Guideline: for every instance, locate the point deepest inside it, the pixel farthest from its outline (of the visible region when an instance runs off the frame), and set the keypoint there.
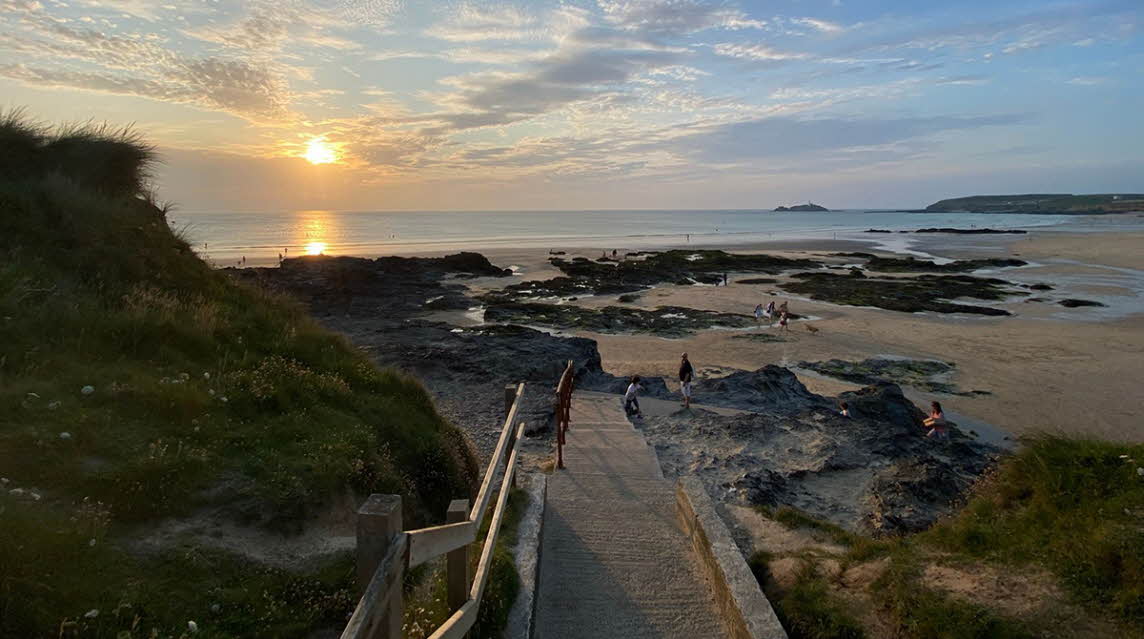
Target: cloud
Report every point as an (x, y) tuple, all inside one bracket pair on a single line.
[(1087, 81), (675, 17), (782, 137), (471, 23), (133, 66), (819, 25), (964, 80), (757, 52)]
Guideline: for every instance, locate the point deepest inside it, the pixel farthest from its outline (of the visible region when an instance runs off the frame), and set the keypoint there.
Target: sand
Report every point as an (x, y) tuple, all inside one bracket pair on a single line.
[(1078, 372)]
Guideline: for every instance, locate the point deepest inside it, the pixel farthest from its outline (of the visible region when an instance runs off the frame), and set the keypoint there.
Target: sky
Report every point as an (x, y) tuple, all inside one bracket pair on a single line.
[(595, 104)]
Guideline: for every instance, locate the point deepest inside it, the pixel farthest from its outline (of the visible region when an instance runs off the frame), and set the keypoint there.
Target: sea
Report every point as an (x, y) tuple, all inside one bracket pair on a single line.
[(225, 238)]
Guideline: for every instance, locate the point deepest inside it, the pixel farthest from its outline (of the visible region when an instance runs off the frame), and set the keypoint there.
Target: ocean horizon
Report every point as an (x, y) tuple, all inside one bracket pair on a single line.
[(225, 238)]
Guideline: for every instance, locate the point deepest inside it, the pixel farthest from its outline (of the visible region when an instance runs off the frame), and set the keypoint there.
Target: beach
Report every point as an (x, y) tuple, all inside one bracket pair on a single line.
[(1046, 368)]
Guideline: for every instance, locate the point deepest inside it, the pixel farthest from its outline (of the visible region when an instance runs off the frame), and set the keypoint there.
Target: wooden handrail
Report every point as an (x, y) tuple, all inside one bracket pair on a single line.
[(378, 613), (477, 514), (563, 410)]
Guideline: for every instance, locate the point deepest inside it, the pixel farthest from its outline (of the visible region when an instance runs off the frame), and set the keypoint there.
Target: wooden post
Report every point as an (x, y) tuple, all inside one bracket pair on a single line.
[(378, 523), (509, 398), (457, 561)]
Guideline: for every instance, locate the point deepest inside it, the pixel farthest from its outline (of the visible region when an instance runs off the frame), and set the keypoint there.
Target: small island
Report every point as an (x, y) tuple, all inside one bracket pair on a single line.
[(809, 206)]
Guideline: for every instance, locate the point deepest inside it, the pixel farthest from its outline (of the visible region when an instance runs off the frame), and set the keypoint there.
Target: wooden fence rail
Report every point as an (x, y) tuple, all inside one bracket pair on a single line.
[(386, 551)]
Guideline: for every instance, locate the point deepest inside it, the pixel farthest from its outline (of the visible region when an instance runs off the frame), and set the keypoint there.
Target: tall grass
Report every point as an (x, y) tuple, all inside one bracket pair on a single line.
[(206, 396)]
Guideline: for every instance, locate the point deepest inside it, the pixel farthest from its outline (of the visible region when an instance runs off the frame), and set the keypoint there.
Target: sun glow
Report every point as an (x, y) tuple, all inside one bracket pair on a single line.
[(315, 248), (318, 151)]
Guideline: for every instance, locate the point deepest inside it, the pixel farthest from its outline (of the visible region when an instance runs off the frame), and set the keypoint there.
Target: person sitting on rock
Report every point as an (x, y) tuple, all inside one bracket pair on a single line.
[(631, 398), (936, 422), (686, 374), (845, 409)]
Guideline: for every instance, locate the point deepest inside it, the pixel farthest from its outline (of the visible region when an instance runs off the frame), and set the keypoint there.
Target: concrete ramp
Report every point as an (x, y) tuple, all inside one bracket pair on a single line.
[(614, 559)]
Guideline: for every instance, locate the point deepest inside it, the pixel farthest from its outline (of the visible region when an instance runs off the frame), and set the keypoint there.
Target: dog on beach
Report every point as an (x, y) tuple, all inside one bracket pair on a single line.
[(810, 329)]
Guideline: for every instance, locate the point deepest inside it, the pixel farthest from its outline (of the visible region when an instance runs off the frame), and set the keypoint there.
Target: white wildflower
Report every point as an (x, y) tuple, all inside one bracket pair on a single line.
[(192, 626), (1140, 470), (91, 614), (65, 435), (52, 405), (206, 376), (91, 543), (184, 377), (87, 390), (17, 492)]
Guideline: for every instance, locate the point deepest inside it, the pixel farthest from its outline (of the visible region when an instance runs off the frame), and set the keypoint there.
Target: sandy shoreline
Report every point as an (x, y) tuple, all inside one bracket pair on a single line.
[(1074, 371)]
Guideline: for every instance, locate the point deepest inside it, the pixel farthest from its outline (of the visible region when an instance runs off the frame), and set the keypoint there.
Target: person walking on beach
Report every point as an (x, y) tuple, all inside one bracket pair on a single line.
[(936, 422), (631, 398), (759, 314), (783, 310), (783, 319), (769, 311), (686, 374), (724, 279)]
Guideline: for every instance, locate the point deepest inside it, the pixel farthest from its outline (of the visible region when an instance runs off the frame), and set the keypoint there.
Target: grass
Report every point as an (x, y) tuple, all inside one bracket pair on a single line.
[(808, 610), (137, 384), (426, 608), (918, 611), (1075, 507), (1072, 507)]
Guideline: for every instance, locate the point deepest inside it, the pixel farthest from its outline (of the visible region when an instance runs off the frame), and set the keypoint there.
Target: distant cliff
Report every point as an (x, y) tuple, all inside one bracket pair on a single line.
[(809, 206), (1063, 203)]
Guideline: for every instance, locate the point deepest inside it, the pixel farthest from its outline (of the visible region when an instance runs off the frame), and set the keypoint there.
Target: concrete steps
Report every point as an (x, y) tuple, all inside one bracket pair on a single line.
[(614, 559)]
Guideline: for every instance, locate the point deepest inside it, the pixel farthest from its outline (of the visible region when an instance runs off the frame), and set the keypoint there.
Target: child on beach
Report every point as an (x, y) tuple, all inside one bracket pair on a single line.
[(631, 398), (686, 374), (845, 412), (936, 422), (783, 321)]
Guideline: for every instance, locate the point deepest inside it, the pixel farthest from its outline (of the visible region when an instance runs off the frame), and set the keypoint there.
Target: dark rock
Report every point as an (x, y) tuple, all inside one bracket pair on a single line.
[(628, 298), (756, 280), (583, 276), (771, 387), (666, 321), (878, 231), (914, 265), (760, 487), (1041, 287), (875, 470), (946, 229), (908, 295), (927, 375), (1072, 303)]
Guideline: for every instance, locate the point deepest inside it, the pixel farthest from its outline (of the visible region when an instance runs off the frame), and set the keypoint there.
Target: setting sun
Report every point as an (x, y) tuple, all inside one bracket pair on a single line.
[(318, 151), (315, 248)]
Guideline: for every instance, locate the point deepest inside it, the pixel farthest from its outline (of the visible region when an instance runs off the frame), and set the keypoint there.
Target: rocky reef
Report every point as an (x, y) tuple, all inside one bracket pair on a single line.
[(924, 374), (875, 471), (908, 295), (665, 321)]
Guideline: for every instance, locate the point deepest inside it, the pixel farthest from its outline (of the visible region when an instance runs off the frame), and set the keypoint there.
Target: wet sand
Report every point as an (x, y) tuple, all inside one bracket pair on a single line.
[(1073, 371)]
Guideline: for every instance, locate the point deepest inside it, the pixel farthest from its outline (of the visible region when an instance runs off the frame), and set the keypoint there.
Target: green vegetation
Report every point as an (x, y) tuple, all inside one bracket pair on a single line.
[(138, 384), (1073, 508), (808, 609), (1043, 203), (426, 608)]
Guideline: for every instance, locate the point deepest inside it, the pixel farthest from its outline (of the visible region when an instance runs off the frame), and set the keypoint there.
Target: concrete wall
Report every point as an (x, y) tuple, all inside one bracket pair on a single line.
[(745, 609), (526, 554)]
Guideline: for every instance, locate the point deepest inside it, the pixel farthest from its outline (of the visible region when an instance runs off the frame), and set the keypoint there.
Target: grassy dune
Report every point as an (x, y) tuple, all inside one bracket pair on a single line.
[(1068, 513), (138, 385)]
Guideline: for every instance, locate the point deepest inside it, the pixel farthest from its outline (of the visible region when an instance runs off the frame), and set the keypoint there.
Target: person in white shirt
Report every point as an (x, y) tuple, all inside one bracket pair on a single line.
[(631, 398)]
